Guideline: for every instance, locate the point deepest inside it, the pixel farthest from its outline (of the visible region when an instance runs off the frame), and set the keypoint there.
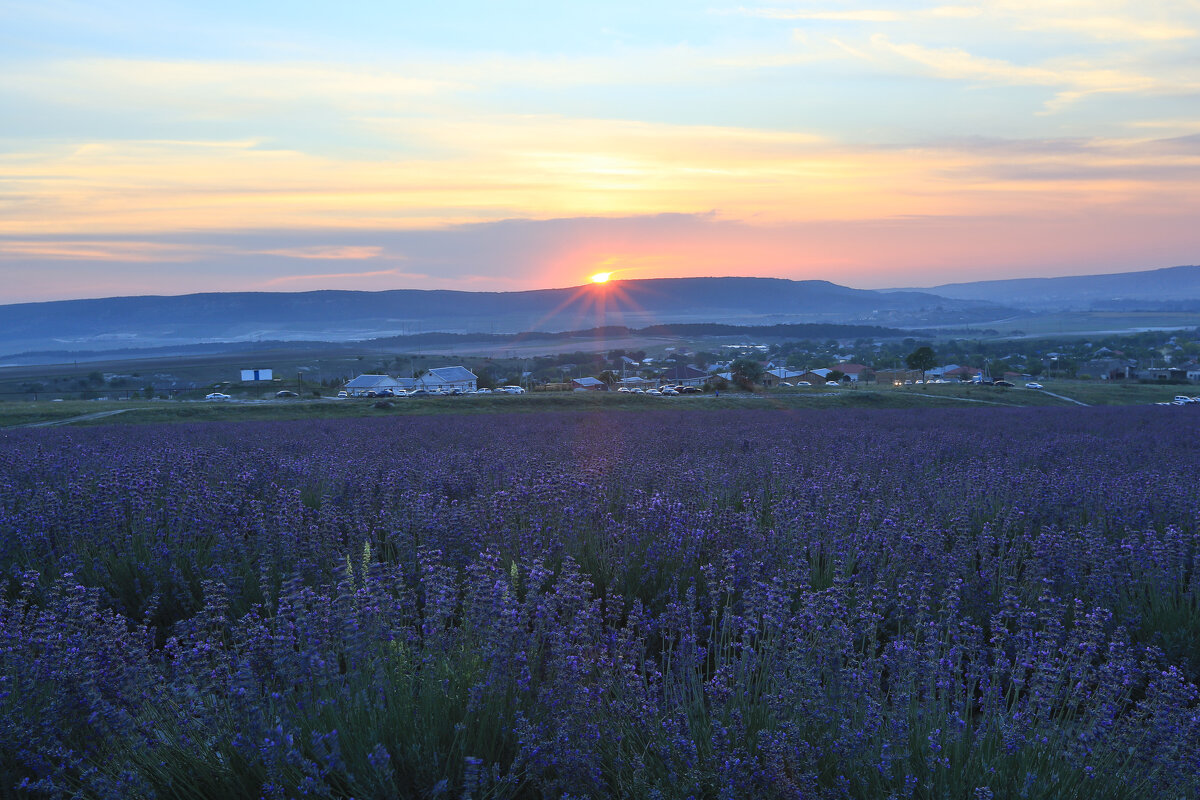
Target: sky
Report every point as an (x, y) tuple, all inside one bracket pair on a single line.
[(174, 147)]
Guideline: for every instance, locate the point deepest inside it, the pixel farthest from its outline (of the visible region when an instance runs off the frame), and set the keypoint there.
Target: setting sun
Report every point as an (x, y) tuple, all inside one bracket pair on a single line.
[(601, 277)]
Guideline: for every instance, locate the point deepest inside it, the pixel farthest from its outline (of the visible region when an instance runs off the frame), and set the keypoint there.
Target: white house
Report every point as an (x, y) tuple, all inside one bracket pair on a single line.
[(588, 385), (438, 379), (446, 379), (360, 386)]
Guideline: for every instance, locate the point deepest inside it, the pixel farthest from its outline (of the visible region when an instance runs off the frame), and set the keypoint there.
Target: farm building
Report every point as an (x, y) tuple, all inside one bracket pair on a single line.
[(773, 377), (438, 379), (686, 375), (588, 385), (363, 384), (446, 379)]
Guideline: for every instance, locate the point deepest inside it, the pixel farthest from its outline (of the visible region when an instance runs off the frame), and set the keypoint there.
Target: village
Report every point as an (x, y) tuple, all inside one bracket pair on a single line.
[(662, 365), (680, 370), (1159, 358)]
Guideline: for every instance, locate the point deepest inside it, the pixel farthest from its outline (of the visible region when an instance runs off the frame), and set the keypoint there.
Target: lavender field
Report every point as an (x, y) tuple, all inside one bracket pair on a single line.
[(976, 603)]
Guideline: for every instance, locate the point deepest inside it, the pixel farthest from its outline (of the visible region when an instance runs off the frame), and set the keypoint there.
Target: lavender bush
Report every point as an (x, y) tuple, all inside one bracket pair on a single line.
[(845, 604)]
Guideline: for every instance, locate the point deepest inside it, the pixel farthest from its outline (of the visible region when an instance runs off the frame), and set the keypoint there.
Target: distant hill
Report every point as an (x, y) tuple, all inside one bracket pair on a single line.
[(1148, 290), (331, 316)]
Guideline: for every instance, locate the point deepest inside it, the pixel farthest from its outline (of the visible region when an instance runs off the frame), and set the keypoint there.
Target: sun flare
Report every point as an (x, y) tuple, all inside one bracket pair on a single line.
[(601, 277)]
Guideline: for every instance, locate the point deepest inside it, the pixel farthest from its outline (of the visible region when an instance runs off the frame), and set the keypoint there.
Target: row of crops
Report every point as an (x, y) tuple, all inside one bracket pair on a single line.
[(839, 604)]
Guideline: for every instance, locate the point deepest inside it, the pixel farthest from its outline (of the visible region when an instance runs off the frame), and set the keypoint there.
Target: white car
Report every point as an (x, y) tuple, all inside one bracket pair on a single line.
[(1034, 386), (511, 390), (217, 396)]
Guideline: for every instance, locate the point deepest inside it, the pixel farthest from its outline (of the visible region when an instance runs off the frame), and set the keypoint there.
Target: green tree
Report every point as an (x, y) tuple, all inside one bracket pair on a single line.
[(746, 372), (608, 377), (923, 358), (486, 380)]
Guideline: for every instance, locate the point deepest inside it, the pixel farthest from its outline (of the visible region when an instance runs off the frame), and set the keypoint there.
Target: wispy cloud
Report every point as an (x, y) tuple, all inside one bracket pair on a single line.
[(328, 253), (100, 250), (1102, 20), (336, 277), (1074, 80)]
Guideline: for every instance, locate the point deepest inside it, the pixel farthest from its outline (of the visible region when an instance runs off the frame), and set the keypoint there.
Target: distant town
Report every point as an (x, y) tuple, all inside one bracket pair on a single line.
[(702, 364)]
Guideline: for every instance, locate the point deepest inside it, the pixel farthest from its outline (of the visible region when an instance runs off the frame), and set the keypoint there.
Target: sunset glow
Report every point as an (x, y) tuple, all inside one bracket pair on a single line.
[(464, 148), (601, 277)]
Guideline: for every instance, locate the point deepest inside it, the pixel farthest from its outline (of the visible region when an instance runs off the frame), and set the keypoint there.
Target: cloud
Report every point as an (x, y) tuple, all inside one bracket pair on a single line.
[(327, 253), (99, 250), (527, 254), (1100, 20), (546, 167), (336, 278), (1074, 79)]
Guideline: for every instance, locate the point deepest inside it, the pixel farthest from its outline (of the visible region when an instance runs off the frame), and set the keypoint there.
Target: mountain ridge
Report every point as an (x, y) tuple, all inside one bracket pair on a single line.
[(1080, 292), (347, 315)]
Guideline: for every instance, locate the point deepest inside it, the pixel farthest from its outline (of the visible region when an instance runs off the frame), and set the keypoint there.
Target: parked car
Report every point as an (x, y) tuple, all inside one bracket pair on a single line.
[(343, 393), (511, 390), (670, 392), (483, 391), (286, 393), (803, 383), (1001, 383), (690, 390), (654, 392), (217, 396), (1034, 386)]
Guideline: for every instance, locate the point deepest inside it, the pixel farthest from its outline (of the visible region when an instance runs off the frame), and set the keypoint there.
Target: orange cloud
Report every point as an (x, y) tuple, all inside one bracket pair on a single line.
[(332, 253), (548, 167)]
